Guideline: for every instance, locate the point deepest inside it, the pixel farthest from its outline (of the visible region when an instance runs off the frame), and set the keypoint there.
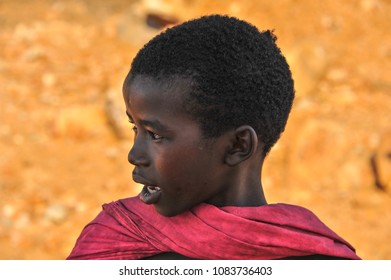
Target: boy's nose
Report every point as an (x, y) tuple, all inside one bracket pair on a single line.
[(136, 155)]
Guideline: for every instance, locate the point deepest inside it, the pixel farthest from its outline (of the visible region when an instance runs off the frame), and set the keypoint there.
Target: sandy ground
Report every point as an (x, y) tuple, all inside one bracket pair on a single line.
[(64, 138)]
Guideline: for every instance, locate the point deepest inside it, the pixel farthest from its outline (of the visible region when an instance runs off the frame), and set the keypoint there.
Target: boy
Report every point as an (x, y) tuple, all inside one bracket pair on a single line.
[(208, 99)]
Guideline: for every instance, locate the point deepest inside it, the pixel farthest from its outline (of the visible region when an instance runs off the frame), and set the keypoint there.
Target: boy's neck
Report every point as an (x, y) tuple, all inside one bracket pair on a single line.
[(244, 188)]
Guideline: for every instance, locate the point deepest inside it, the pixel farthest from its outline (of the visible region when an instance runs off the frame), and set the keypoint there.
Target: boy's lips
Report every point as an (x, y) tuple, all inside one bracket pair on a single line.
[(150, 194)]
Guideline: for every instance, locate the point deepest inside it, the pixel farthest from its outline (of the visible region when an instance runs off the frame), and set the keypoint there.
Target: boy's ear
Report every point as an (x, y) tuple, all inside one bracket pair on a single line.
[(244, 143)]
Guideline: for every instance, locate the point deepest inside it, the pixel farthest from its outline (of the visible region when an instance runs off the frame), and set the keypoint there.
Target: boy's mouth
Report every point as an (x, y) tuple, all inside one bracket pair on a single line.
[(150, 194)]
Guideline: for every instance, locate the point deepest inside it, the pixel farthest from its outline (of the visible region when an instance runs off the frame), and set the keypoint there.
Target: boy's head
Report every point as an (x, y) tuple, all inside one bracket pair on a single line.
[(208, 99), (235, 74)]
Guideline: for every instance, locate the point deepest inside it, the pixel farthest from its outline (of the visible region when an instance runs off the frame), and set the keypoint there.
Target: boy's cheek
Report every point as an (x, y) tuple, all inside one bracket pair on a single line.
[(175, 175), (177, 160)]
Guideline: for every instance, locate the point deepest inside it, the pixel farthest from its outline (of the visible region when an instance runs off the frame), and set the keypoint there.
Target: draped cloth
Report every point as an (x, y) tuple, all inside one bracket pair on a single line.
[(130, 229)]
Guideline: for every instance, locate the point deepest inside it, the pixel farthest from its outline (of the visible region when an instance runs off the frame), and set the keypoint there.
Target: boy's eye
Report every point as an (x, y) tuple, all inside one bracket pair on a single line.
[(155, 137)]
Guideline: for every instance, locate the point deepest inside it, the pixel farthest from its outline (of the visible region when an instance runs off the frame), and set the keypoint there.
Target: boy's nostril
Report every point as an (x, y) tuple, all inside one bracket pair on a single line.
[(136, 159)]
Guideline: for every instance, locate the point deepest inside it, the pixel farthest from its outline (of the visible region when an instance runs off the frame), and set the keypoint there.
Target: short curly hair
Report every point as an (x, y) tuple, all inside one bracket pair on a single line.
[(239, 75)]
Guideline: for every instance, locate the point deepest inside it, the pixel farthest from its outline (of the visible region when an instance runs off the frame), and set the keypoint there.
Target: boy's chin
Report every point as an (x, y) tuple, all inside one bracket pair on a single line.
[(167, 212)]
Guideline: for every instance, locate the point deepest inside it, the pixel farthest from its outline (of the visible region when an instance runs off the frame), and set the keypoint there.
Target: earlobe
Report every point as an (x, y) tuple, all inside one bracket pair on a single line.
[(244, 144)]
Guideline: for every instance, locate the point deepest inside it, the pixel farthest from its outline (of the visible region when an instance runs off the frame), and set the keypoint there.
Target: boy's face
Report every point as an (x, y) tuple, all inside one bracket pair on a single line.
[(177, 166)]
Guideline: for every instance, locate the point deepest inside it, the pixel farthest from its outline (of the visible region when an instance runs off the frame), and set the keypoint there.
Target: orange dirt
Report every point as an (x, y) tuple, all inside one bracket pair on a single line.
[(64, 138)]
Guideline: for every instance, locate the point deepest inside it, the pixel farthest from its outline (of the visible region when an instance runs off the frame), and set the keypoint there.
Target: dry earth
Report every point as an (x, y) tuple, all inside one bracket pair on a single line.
[(64, 138)]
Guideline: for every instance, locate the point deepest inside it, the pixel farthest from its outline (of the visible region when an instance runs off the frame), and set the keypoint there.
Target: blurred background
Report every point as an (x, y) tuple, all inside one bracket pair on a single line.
[(64, 137)]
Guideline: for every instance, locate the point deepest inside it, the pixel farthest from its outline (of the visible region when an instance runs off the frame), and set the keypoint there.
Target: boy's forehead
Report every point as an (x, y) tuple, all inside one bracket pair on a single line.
[(171, 87), (169, 93)]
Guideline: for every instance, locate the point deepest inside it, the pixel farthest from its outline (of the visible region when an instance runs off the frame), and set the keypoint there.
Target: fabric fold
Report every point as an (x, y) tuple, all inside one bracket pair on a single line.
[(130, 229)]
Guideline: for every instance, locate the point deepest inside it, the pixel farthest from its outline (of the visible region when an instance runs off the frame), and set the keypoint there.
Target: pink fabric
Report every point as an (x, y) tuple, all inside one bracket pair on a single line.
[(130, 229)]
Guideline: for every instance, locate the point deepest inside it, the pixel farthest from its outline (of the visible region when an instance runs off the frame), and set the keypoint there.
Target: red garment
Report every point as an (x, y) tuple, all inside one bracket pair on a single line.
[(130, 229)]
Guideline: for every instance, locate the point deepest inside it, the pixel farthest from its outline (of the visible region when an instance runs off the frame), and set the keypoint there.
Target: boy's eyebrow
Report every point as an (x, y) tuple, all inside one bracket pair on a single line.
[(155, 124)]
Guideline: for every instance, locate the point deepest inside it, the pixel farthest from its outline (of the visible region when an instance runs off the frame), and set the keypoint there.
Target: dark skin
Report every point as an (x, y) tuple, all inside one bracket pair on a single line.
[(170, 152), (184, 169)]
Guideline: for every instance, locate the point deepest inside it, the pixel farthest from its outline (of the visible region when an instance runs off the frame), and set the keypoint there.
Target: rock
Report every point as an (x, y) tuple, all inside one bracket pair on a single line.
[(18, 139), (34, 53), (78, 121), (308, 62), (112, 152), (115, 112), (5, 130), (323, 153), (381, 163), (22, 32), (22, 221), (49, 79), (132, 22), (160, 21), (336, 74), (369, 5), (56, 213), (8, 210), (3, 65)]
